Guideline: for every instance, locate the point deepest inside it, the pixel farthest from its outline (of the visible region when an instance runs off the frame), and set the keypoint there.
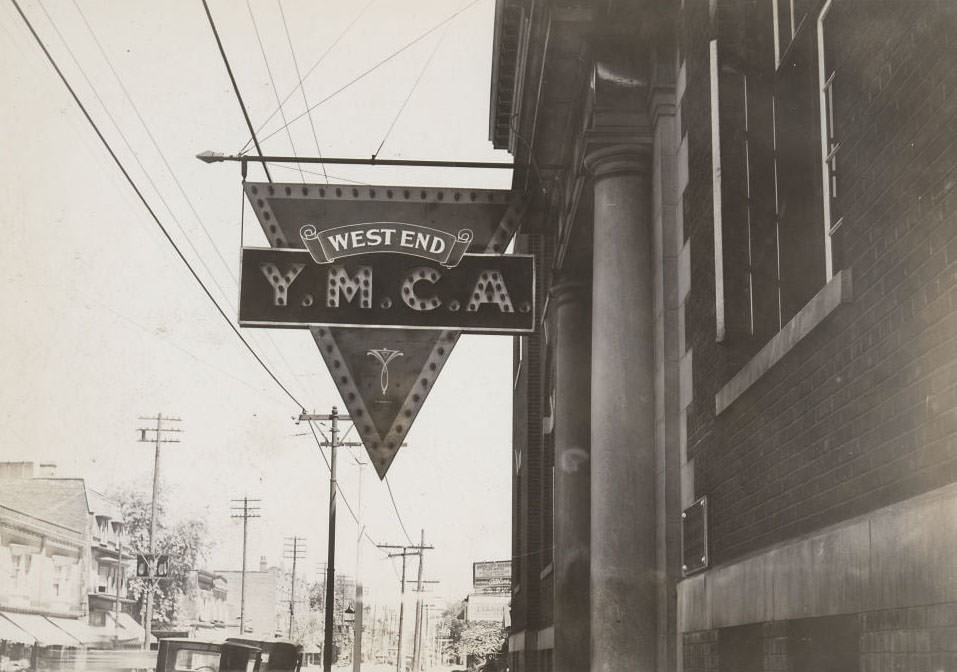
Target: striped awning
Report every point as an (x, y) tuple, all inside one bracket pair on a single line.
[(42, 631), (83, 632), (11, 633)]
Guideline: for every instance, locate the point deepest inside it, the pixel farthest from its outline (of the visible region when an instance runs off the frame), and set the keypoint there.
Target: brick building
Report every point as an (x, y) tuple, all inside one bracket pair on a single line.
[(735, 433)]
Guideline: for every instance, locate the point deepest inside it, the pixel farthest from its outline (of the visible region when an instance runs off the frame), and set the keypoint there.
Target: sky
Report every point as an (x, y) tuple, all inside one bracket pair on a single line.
[(103, 324)]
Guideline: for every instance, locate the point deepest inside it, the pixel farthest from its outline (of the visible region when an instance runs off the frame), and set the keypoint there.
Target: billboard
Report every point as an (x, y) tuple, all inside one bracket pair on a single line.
[(492, 577)]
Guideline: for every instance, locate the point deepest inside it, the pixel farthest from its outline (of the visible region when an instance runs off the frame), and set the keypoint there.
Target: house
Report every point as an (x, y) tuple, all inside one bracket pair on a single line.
[(60, 561)]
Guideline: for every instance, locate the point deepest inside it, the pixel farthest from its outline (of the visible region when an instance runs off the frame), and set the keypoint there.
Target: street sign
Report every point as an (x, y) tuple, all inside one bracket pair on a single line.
[(482, 293), (384, 374)]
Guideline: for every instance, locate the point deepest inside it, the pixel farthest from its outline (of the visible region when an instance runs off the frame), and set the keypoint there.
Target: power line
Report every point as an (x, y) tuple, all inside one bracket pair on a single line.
[(372, 69), (305, 100), (239, 97), (415, 85), (272, 82), (139, 194), (394, 506), (345, 501), (126, 141), (169, 168), (310, 71)]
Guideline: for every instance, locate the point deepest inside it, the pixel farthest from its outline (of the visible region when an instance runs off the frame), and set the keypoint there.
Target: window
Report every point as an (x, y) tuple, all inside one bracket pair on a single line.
[(21, 561), (61, 578), (775, 152)]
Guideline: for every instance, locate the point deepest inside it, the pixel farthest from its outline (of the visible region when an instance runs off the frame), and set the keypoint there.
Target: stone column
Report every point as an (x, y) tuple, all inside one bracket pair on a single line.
[(570, 302), (623, 557)]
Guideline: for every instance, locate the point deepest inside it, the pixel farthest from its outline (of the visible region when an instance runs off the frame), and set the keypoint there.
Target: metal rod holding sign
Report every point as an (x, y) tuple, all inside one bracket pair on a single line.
[(217, 157)]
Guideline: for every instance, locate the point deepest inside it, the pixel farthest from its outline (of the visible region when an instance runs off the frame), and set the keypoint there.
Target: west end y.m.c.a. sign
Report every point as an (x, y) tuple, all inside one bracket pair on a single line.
[(387, 274)]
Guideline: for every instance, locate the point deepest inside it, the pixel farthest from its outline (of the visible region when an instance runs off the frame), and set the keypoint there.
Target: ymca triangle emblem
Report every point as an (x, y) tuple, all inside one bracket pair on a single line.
[(383, 375)]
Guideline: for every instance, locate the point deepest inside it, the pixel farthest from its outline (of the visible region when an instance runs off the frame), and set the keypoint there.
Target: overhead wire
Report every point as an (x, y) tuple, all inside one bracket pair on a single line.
[(365, 531), (415, 85), (309, 72), (376, 66), (313, 172), (302, 88), (396, 508), (119, 164), (169, 169), (239, 97), (272, 82), (129, 147)]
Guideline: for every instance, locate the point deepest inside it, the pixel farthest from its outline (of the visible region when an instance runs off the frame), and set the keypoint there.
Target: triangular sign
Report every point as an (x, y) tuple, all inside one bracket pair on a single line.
[(384, 375)]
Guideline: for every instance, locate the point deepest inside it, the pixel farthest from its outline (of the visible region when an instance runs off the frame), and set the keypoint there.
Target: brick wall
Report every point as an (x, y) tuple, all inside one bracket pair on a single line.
[(861, 413), (700, 651), (922, 639)]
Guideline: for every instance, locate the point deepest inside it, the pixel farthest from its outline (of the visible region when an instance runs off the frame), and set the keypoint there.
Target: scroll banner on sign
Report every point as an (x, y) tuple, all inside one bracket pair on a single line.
[(419, 241), (385, 369)]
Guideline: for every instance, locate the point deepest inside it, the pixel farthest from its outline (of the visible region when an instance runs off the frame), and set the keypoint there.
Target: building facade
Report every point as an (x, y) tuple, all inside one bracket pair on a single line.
[(62, 575), (205, 611), (735, 440)]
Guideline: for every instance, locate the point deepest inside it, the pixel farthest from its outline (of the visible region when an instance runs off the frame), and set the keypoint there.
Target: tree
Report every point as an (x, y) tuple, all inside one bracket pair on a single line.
[(477, 642), (186, 542)]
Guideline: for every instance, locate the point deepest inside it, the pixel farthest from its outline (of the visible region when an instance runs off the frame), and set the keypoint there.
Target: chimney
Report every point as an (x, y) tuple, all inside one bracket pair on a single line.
[(46, 470), (262, 563)]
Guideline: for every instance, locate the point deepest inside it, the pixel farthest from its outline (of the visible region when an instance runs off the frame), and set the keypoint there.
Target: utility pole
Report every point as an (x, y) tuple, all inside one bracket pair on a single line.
[(404, 553), (295, 549), (417, 630), (419, 620), (244, 508), (119, 582), (332, 443), (357, 624), (158, 438)]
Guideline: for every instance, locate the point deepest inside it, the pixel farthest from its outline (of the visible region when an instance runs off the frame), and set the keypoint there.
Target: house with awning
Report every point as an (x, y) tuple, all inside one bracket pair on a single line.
[(61, 568)]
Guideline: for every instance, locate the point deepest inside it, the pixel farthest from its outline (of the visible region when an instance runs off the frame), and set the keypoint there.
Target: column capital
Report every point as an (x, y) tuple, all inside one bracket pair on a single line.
[(619, 159)]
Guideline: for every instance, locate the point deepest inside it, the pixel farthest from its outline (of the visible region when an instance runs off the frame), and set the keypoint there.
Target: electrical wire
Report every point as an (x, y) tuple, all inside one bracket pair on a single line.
[(272, 82), (365, 531), (415, 84), (149, 208), (305, 100), (375, 67), (169, 169), (309, 72), (239, 97), (397, 515), (149, 134), (129, 148), (313, 172)]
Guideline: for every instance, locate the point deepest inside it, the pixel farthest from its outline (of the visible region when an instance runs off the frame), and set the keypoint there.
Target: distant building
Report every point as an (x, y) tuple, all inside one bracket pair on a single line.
[(205, 610), (263, 601), (60, 564)]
